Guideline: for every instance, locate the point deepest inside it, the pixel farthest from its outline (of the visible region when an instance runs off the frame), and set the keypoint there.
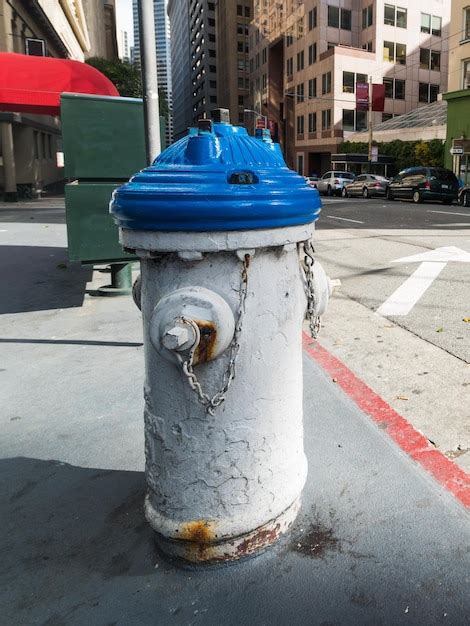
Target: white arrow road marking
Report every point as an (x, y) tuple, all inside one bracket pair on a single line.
[(433, 262), (344, 219), (407, 295)]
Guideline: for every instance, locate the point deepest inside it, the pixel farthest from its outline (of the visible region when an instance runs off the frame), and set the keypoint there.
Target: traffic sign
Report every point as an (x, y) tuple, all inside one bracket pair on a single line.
[(456, 150)]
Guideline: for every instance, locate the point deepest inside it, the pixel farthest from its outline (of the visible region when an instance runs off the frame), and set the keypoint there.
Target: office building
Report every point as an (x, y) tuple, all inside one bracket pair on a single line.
[(210, 55), (306, 58)]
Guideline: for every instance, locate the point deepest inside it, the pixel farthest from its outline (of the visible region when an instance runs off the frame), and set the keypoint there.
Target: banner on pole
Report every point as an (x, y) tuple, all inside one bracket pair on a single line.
[(378, 97), (362, 96)]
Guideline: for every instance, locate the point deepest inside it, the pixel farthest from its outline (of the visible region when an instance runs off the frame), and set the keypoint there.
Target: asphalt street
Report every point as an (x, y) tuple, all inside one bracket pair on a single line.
[(422, 371)]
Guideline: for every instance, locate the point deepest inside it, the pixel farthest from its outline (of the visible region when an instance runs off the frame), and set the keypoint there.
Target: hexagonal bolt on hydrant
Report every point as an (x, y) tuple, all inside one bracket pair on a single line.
[(223, 230)]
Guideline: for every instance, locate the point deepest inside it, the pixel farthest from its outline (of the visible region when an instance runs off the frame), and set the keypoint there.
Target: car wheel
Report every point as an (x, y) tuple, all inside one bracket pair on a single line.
[(465, 199), (344, 192), (417, 196), (365, 192), (389, 194), (329, 191)]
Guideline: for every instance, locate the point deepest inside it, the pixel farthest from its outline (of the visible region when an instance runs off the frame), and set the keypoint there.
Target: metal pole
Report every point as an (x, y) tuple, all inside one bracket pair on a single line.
[(370, 122), (148, 64)]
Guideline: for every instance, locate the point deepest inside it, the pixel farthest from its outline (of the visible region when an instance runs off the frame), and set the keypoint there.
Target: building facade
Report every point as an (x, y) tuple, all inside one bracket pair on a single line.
[(210, 56), (163, 49), (458, 99), (306, 58), (74, 29)]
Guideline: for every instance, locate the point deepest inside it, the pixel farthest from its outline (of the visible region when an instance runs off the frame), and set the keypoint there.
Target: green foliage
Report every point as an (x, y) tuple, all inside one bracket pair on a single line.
[(127, 80), (405, 153)]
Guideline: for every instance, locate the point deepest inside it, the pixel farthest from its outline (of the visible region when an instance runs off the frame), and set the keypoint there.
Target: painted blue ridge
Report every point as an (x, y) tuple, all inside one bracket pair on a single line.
[(219, 179)]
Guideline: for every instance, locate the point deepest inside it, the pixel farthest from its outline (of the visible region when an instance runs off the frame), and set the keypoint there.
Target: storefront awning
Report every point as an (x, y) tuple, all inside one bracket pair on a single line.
[(30, 84)]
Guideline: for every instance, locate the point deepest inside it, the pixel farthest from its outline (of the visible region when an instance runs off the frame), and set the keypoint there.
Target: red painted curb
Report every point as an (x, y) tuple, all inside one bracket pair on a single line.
[(410, 440)]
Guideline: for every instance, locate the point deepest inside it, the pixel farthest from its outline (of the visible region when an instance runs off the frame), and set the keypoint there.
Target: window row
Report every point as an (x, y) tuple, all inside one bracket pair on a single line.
[(395, 16), (350, 79), (339, 18), (431, 24), (243, 11)]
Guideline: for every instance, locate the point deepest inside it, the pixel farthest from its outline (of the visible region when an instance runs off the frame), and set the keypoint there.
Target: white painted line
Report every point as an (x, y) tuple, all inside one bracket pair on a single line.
[(407, 295), (444, 224), (450, 213), (344, 219)]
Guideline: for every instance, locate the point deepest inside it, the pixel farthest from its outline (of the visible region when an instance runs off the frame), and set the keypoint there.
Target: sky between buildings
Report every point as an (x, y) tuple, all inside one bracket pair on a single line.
[(124, 19)]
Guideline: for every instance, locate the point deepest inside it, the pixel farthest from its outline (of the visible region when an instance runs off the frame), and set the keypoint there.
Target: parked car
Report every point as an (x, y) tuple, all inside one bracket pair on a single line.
[(424, 183), (464, 196), (312, 181), (334, 181), (366, 185)]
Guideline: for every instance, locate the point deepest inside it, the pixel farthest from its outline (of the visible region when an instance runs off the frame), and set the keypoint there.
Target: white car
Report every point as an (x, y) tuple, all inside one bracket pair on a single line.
[(332, 183)]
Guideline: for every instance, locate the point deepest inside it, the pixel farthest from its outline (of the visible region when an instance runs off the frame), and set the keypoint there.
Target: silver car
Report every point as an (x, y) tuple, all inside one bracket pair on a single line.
[(332, 182), (366, 185)]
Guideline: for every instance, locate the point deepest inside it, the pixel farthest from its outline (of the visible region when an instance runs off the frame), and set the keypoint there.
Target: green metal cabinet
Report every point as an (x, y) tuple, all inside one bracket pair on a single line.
[(104, 144)]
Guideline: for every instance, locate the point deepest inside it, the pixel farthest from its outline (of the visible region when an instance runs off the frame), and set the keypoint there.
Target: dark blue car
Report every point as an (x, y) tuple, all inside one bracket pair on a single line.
[(424, 183)]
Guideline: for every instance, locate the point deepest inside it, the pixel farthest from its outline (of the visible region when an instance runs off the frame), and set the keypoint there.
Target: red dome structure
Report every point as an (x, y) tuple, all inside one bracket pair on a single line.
[(34, 84)]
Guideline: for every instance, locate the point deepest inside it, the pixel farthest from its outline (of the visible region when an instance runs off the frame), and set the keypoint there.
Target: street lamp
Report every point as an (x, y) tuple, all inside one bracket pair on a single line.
[(259, 115)]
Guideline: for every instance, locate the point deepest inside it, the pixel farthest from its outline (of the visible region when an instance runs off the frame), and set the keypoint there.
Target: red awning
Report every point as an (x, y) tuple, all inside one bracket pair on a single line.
[(30, 84)]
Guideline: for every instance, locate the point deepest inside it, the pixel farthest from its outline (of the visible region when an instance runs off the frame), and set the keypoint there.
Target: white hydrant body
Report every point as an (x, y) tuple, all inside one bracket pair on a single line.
[(225, 464)]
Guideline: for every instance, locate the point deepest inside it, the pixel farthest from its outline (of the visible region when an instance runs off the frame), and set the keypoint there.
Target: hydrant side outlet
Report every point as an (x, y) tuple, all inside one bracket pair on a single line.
[(225, 465)]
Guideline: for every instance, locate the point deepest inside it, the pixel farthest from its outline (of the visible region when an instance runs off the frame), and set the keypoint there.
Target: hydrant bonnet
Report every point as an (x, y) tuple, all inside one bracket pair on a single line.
[(217, 178)]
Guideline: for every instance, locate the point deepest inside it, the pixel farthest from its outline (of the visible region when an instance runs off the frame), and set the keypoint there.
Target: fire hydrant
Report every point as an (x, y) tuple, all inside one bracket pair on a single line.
[(223, 230)]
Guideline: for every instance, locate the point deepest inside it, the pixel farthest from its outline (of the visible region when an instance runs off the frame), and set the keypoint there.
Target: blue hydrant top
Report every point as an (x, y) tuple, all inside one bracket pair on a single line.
[(216, 178)]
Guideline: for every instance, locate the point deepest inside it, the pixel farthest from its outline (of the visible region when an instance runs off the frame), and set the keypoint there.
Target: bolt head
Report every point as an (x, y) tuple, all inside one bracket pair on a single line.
[(176, 337)]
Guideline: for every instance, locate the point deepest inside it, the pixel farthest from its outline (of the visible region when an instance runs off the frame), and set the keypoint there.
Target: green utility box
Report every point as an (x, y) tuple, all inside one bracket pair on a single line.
[(104, 145)]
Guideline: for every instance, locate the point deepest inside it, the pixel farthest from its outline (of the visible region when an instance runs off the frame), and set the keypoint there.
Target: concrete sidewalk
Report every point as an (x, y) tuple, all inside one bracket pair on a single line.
[(377, 541)]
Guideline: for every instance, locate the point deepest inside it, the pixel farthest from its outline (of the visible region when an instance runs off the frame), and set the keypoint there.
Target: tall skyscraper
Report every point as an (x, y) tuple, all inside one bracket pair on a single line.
[(306, 58), (210, 58), (162, 44)]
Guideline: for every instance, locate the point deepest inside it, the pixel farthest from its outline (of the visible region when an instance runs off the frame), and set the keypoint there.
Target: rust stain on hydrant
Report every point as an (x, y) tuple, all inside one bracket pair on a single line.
[(205, 349), (199, 534), (259, 540)]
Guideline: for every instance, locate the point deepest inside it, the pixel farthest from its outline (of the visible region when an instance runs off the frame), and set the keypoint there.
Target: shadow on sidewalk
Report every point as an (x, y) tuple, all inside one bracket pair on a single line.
[(40, 278)]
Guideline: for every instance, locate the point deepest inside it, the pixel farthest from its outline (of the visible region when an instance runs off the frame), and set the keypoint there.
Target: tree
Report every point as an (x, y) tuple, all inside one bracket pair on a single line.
[(126, 78)]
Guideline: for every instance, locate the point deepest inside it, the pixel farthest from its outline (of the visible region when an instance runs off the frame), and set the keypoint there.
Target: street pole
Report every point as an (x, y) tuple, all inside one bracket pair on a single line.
[(370, 122), (148, 64)]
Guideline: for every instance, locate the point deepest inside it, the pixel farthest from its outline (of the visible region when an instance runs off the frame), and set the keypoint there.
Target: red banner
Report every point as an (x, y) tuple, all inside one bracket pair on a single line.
[(362, 96), (378, 97)]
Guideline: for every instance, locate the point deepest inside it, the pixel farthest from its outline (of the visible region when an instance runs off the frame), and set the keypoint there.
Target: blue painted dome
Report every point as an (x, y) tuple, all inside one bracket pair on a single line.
[(216, 178)]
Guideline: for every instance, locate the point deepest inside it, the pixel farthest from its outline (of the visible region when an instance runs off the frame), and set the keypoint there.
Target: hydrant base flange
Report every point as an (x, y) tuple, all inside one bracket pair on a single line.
[(199, 543)]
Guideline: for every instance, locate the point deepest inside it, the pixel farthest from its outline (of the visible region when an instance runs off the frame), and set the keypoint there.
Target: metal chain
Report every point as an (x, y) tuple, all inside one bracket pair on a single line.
[(309, 260), (187, 365)]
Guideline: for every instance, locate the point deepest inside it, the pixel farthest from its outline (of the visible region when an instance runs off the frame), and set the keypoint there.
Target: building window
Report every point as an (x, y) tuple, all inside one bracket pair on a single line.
[(300, 28), (428, 93), (333, 17), (339, 18), (239, 10), (326, 83), (300, 61), (300, 164), (436, 26), (300, 92), (247, 12), (264, 56), (466, 23), (367, 16), (326, 119), (264, 81), (312, 122), (426, 23), (300, 124), (394, 88), (348, 82), (395, 52), (348, 119), (387, 116), (466, 74), (312, 88), (368, 46), (213, 83), (399, 93), (395, 16), (312, 18), (429, 59), (312, 53), (290, 67), (35, 47)]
